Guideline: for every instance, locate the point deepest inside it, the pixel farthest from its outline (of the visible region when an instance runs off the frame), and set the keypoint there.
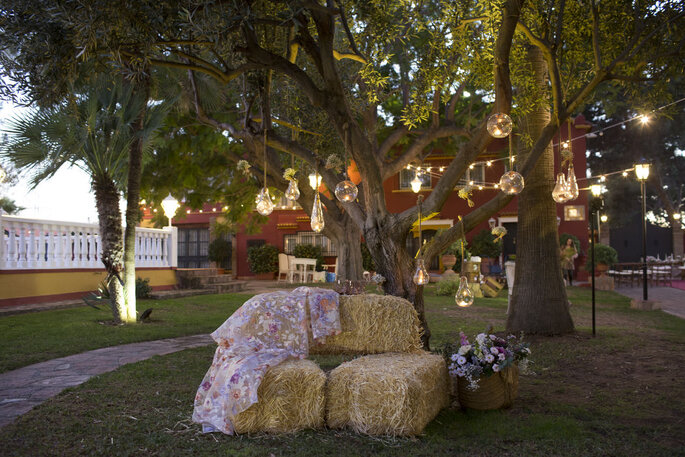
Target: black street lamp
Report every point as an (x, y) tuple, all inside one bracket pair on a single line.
[(642, 173), (595, 206)]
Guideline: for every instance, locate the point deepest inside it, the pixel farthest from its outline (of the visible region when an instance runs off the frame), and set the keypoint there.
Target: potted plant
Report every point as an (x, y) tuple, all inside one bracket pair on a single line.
[(486, 372), (483, 245), (263, 261), (605, 258), (219, 251)]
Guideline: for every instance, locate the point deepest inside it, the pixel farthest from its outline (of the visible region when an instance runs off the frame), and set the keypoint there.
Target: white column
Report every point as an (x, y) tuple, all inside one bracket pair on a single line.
[(31, 255), (3, 245), (172, 247)]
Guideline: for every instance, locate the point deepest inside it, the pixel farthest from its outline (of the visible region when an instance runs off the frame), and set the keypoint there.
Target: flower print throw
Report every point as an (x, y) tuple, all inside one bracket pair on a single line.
[(268, 329)]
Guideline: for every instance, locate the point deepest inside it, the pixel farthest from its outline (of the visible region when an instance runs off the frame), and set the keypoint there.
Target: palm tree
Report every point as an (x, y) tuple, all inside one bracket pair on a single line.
[(92, 129)]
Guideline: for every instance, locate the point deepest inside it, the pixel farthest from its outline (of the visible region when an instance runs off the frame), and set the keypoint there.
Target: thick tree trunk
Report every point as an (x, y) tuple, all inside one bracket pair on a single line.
[(111, 242), (135, 170), (538, 303), (397, 266), (347, 238)]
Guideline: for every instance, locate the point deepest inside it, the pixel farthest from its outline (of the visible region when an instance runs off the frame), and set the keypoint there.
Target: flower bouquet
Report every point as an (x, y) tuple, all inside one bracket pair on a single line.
[(487, 370)]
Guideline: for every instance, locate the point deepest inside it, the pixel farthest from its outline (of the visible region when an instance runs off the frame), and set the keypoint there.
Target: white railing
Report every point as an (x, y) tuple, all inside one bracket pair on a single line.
[(35, 244)]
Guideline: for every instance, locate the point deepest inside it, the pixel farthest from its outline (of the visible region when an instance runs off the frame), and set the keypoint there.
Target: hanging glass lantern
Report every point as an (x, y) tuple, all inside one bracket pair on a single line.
[(346, 191), (416, 183), (499, 125), (292, 192), (464, 296), (316, 222), (511, 183), (572, 184), (314, 180), (263, 202), (560, 189), (421, 277)]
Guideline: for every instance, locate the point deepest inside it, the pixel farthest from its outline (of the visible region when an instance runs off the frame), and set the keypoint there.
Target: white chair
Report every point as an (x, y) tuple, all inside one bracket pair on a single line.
[(284, 271), (293, 269)]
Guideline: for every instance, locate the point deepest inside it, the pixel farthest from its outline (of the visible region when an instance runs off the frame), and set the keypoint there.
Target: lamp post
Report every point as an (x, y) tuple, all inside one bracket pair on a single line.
[(170, 205), (642, 173), (595, 206)]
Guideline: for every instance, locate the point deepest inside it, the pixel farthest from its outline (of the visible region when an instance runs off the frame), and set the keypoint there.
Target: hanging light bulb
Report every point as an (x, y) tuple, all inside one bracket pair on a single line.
[(499, 125), (263, 202), (314, 180), (416, 183), (511, 183), (317, 223), (572, 184), (421, 276), (346, 191), (292, 192), (560, 190), (464, 296)]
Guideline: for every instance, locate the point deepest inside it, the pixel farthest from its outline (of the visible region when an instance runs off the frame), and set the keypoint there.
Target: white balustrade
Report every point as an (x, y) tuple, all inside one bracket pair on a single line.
[(34, 244)]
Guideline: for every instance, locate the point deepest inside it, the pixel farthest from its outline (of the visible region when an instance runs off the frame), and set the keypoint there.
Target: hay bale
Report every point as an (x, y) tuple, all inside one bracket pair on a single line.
[(387, 394), (373, 324), (291, 398)]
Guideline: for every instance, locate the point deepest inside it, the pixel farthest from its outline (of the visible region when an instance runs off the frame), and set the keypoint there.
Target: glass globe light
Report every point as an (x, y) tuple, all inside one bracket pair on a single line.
[(559, 193), (316, 222), (676, 216), (511, 183), (499, 125), (421, 276), (263, 202), (572, 190), (292, 192), (464, 296), (605, 218), (346, 191), (416, 184)]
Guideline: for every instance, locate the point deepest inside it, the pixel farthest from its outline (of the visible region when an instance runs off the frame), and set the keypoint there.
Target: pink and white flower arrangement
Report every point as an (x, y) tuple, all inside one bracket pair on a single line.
[(489, 354)]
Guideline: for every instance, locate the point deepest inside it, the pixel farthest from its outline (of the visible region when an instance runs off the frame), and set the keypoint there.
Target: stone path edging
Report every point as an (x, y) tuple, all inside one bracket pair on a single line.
[(24, 388)]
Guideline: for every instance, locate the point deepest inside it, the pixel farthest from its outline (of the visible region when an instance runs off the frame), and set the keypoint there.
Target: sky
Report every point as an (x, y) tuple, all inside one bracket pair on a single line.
[(64, 197)]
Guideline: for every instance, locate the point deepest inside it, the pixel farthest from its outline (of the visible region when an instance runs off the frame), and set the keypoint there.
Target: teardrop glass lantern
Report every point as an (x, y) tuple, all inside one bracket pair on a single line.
[(559, 193), (316, 222), (464, 296), (499, 125), (572, 190), (511, 183), (346, 191), (421, 276), (263, 202), (292, 192)]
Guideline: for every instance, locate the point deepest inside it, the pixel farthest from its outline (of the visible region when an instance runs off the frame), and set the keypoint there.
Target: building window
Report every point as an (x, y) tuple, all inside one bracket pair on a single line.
[(407, 175), (192, 247), (328, 248), (574, 213), (284, 203), (475, 174)]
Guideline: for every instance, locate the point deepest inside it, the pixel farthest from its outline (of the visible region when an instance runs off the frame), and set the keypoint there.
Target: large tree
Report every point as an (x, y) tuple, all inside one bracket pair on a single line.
[(390, 80)]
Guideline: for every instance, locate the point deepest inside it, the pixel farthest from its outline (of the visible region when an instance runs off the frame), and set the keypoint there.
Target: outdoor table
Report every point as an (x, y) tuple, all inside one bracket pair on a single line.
[(302, 267)]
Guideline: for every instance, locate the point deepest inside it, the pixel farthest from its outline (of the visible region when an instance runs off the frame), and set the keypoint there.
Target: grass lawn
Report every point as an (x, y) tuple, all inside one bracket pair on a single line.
[(620, 393)]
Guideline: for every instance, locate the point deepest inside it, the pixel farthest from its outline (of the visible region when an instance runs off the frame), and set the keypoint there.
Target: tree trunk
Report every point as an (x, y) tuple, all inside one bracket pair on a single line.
[(135, 169), (538, 303), (347, 238), (111, 242), (396, 265)]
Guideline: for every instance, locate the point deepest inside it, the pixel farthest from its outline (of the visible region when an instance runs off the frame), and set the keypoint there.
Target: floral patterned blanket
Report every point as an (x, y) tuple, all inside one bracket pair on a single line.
[(266, 330)]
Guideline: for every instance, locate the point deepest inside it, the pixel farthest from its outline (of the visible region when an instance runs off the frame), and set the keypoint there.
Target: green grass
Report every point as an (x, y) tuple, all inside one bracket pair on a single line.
[(617, 394), (36, 337)]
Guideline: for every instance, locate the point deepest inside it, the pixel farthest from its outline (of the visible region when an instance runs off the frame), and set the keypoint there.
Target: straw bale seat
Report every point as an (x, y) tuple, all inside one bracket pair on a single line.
[(387, 394), (396, 392)]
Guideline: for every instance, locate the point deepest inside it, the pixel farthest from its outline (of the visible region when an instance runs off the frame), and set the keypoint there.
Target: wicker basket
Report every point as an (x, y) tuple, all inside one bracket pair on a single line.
[(494, 392)]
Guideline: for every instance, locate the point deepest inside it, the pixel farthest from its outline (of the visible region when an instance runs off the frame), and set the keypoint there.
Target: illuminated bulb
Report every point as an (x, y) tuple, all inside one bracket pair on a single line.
[(263, 202), (602, 178), (471, 167), (625, 174), (480, 187), (225, 208), (214, 209), (200, 211), (464, 296), (511, 183), (187, 211), (644, 119), (416, 184), (603, 218), (428, 169), (442, 169), (316, 222), (596, 190), (154, 210), (292, 192), (572, 184), (346, 191), (488, 163), (559, 191), (408, 167), (314, 181), (421, 276), (499, 125), (513, 158), (676, 216), (564, 145), (496, 186), (470, 183)]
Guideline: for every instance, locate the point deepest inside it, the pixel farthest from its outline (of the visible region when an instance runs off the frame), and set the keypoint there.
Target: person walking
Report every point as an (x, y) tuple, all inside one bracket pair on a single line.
[(568, 255)]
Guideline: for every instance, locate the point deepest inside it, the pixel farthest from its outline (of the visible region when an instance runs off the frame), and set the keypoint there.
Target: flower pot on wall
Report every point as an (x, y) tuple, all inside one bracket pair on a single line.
[(448, 261), (493, 392)]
